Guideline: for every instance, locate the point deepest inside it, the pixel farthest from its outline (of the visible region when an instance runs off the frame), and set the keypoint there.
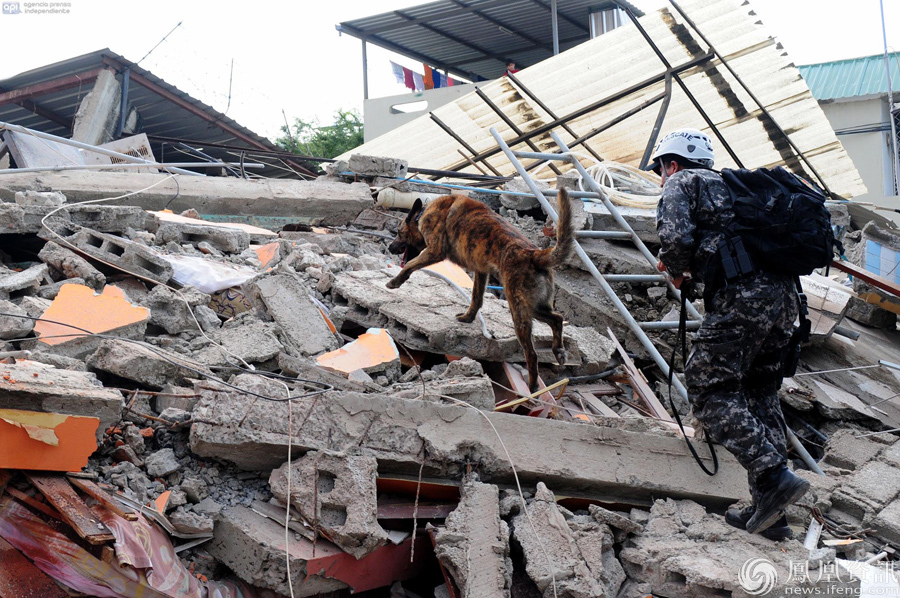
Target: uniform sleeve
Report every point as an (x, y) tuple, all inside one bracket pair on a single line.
[(675, 223)]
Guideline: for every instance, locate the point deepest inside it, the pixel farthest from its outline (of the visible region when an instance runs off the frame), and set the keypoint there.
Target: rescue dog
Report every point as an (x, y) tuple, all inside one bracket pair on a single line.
[(471, 235)]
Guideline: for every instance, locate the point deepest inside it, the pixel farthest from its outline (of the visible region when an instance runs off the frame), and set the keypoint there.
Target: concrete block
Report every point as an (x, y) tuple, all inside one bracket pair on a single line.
[(339, 493), (868, 490), (140, 364), (174, 311), (518, 202), (473, 545), (189, 522), (71, 265), (108, 312), (871, 315), (421, 315), (377, 166), (51, 291), (847, 451), (40, 198), (228, 240), (399, 432), (34, 386), (161, 463), (98, 113), (26, 219), (285, 298), (253, 547), (614, 519), (887, 523), (246, 337), (596, 544), (34, 306), (20, 284), (685, 552), (12, 326), (476, 391), (127, 255), (229, 199), (550, 543)]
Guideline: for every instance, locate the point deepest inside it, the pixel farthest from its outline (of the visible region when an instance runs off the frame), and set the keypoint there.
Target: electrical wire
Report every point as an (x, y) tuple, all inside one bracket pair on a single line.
[(184, 363)]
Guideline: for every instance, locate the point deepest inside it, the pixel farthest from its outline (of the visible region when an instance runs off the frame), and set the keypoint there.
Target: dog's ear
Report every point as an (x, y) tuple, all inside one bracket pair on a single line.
[(417, 207)]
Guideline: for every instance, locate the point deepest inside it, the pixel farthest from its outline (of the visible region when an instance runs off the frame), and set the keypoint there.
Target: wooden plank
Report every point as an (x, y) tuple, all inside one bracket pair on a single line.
[(100, 495), (596, 404), (20, 578), (639, 382), (33, 503), (519, 383), (866, 276), (60, 494)]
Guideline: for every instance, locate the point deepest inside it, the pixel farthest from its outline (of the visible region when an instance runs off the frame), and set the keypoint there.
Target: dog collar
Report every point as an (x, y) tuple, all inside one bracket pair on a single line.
[(419, 215)]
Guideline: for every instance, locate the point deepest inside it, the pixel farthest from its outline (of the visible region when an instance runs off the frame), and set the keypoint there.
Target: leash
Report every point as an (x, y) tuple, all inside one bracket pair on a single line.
[(682, 339)]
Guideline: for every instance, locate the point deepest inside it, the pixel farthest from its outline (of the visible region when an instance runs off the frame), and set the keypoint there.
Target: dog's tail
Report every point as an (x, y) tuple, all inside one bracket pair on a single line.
[(565, 236)]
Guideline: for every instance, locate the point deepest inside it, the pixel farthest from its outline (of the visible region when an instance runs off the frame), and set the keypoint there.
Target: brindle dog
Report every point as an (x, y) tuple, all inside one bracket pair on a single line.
[(470, 234)]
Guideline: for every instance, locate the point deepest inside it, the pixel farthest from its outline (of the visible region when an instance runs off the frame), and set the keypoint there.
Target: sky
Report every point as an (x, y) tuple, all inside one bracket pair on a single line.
[(285, 60)]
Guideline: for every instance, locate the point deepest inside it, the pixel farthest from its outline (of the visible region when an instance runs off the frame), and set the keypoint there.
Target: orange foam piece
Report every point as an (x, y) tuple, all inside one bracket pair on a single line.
[(28, 445), (81, 306), (453, 272), (372, 348), (266, 253), (162, 500)]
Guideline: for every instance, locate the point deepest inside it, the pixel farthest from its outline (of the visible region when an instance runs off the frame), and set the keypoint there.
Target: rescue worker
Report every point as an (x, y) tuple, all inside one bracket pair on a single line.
[(733, 372)]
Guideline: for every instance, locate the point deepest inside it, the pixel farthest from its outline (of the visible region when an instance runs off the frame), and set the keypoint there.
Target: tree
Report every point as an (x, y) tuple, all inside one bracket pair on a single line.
[(328, 141)]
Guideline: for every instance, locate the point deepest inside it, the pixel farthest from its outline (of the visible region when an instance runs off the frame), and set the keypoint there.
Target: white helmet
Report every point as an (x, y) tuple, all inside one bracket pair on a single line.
[(690, 144)]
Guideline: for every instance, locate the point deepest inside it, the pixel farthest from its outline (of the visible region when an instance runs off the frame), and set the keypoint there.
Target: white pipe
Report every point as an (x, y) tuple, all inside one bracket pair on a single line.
[(393, 199), (166, 166), (85, 146)]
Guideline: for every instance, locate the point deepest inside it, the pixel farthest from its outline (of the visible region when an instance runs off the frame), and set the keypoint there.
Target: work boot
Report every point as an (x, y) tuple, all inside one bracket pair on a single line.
[(778, 487), (778, 531)]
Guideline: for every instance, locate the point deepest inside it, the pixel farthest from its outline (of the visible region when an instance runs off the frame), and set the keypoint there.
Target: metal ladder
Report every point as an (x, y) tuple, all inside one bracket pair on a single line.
[(627, 233)]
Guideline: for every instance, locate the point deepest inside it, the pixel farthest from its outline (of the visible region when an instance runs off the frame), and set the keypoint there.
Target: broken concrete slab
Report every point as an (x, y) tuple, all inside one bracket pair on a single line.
[(71, 265), (476, 391), (338, 493), (253, 546), (300, 368), (377, 166), (224, 239), (847, 451), (98, 114), (127, 255), (26, 219), (40, 198), (611, 459), (15, 325), (244, 337), (284, 297), (151, 368), (684, 552), (614, 519), (19, 284), (33, 386), (173, 311), (552, 557), (473, 545), (421, 315), (108, 312), (229, 199)]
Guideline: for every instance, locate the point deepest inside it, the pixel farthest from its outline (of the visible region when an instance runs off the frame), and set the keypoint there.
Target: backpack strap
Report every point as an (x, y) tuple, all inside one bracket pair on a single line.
[(682, 340)]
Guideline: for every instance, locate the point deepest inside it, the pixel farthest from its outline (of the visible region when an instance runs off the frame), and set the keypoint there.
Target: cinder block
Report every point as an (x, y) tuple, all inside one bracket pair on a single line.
[(229, 240)]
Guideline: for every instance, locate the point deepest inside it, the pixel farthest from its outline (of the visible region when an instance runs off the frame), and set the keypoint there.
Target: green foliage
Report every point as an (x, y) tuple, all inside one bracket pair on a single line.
[(324, 141)]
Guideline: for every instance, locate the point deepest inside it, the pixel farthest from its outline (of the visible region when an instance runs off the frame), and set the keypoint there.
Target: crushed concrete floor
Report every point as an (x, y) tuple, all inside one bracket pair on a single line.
[(300, 430)]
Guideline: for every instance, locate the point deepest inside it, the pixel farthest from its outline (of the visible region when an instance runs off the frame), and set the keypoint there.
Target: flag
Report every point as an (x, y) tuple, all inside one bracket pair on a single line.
[(429, 78), (398, 72), (419, 82), (438, 80), (408, 80), (450, 82)]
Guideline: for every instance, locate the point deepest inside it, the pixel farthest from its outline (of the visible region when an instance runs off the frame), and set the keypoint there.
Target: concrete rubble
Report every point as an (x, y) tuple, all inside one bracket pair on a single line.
[(410, 433)]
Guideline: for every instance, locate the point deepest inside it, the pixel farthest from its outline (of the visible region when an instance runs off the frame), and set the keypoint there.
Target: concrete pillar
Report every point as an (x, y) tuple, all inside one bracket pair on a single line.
[(98, 114)]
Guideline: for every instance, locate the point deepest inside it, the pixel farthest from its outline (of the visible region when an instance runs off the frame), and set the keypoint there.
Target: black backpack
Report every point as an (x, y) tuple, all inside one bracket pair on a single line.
[(780, 220)]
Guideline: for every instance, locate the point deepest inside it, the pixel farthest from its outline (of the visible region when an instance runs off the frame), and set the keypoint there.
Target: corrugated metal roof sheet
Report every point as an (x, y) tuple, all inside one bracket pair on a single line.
[(851, 78), (473, 38), (159, 115), (620, 59)]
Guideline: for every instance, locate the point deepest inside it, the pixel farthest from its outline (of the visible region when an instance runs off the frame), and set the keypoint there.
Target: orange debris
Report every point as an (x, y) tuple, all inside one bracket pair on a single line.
[(453, 272), (46, 441), (266, 253), (371, 349), (81, 306)]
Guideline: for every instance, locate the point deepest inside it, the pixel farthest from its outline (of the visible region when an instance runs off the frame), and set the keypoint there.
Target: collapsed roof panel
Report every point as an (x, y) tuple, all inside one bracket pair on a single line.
[(619, 61)]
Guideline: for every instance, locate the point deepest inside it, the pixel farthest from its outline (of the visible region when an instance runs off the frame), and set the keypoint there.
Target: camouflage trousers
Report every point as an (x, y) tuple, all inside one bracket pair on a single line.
[(733, 372)]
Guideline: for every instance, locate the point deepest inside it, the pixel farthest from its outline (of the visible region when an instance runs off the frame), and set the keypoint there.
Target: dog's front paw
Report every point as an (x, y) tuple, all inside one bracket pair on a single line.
[(394, 283), (465, 317)]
